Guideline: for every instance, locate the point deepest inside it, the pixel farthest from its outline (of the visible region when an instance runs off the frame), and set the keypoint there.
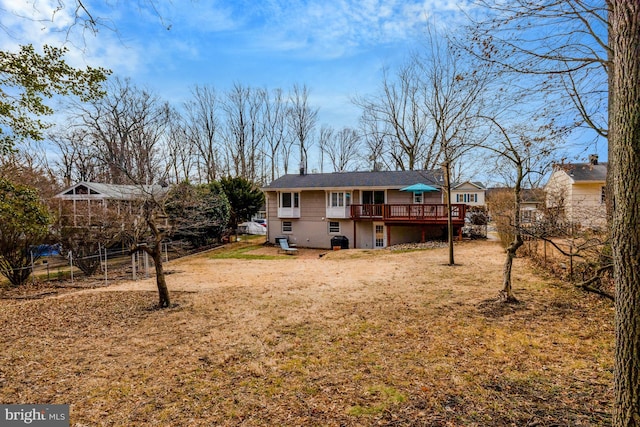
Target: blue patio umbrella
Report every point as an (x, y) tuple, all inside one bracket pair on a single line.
[(419, 188)]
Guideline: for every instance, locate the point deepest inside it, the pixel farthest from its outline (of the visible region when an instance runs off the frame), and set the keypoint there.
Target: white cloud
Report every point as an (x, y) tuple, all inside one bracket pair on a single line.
[(47, 13), (41, 22), (320, 29), (205, 18), (35, 22), (331, 29), (220, 34)]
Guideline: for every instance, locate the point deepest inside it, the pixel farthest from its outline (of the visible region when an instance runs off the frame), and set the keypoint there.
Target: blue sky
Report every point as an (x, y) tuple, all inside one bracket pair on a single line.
[(338, 48)]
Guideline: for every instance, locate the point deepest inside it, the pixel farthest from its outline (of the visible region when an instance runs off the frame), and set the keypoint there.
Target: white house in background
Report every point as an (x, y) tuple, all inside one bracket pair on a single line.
[(531, 205), (577, 191), (468, 192), (85, 203)]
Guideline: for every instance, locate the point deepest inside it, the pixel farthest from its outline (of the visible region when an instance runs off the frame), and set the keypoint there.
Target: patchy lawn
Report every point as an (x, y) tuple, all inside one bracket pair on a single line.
[(350, 338)]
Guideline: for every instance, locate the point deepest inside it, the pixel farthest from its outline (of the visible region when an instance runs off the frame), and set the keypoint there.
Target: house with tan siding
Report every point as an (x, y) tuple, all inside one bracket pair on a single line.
[(367, 209), (577, 192)]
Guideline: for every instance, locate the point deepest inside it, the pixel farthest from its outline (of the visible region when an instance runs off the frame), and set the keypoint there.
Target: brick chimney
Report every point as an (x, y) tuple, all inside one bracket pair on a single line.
[(593, 159)]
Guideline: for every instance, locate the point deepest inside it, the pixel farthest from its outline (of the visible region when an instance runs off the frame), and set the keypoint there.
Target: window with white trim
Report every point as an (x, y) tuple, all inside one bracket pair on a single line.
[(379, 236), (338, 199), (334, 226), (418, 198), (287, 226), (289, 200)]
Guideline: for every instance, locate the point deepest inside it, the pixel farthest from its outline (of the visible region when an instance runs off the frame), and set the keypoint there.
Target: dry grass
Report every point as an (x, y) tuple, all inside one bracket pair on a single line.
[(352, 338)]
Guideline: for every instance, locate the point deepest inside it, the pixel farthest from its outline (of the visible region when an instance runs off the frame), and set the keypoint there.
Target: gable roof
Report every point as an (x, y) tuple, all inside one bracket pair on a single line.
[(477, 184), (585, 172), (378, 179), (96, 190)]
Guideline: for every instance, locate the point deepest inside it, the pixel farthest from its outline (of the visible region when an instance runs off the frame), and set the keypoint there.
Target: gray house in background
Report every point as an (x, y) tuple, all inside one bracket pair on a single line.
[(369, 209)]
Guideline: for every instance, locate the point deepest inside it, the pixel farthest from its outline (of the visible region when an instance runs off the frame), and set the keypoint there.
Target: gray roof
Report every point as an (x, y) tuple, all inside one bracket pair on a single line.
[(379, 179), (584, 172), (112, 191)]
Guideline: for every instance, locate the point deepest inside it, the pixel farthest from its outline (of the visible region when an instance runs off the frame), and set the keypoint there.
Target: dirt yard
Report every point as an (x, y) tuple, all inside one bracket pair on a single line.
[(352, 338)]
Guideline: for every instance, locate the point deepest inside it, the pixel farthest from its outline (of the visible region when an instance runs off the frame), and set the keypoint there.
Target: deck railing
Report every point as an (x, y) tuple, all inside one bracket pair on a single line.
[(407, 212)]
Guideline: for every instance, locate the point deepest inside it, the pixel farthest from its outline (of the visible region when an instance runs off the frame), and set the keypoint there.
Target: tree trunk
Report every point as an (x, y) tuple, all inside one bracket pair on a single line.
[(506, 294), (447, 177), (156, 254), (163, 290), (624, 157)]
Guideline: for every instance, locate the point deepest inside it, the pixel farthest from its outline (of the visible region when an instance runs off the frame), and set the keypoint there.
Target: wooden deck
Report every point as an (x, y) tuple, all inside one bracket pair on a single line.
[(409, 213)]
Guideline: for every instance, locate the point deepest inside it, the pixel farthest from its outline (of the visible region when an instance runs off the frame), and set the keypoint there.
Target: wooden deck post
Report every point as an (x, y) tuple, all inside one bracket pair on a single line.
[(355, 239)]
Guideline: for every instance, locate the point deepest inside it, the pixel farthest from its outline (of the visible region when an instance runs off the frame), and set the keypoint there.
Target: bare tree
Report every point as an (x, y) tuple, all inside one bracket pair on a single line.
[(78, 157), (202, 130), (287, 147), (453, 89), (324, 143), (376, 141), (182, 209), (569, 67), (148, 230), (342, 148), (275, 127), (244, 130), (128, 128), (527, 150), (595, 58), (182, 156), (302, 120), (255, 152), (400, 110)]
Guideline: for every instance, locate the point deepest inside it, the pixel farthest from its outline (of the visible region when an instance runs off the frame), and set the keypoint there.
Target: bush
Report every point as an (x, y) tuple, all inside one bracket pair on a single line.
[(501, 205), (24, 223), (197, 214)]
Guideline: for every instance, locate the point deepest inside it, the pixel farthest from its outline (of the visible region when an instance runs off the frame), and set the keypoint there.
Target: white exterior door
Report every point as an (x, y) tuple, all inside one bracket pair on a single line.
[(379, 235)]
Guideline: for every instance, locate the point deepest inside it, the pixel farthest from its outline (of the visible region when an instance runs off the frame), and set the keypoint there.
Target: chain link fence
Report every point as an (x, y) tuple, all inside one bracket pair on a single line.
[(98, 269)]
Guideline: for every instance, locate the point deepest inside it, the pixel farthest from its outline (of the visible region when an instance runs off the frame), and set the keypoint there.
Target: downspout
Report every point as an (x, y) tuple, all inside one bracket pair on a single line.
[(266, 207)]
